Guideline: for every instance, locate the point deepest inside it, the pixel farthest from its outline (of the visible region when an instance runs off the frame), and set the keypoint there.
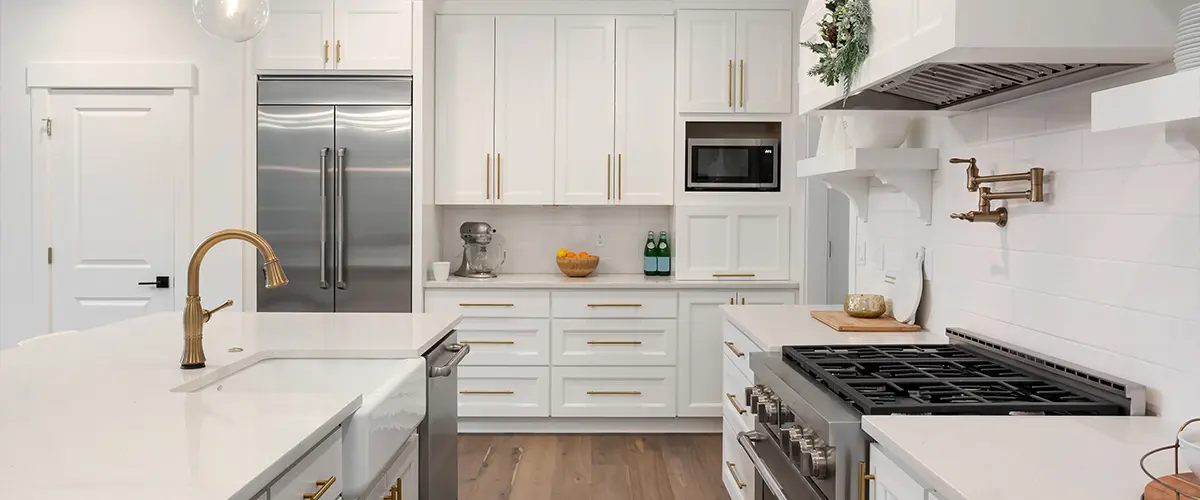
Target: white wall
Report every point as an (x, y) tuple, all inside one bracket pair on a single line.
[(532, 235), (1105, 274), (116, 30)]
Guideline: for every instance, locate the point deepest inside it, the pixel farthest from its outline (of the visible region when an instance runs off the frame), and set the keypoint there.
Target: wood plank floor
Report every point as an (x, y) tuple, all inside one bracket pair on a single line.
[(590, 467)]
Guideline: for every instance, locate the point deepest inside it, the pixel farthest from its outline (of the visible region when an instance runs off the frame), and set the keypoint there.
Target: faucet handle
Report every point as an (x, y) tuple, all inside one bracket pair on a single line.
[(209, 312)]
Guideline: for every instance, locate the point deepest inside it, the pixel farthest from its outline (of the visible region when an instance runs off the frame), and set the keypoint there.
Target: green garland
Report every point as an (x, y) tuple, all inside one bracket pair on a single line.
[(845, 42)]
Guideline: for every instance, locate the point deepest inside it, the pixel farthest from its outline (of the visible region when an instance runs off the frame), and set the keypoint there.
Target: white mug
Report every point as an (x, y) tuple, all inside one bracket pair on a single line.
[(441, 271)]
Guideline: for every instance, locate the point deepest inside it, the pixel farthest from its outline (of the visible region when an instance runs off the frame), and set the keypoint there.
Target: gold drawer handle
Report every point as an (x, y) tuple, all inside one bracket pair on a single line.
[(733, 275), (614, 393), (485, 305), (485, 392), (863, 478), (614, 305), (736, 480), (735, 350), (614, 342), (325, 485), (736, 406), (496, 342)]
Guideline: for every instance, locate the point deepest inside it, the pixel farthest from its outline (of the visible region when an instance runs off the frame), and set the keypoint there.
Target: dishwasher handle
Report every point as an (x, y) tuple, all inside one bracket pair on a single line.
[(746, 439), (460, 351)]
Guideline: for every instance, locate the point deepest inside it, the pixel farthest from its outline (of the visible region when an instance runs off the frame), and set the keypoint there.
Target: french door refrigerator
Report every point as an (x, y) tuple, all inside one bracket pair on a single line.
[(335, 192)]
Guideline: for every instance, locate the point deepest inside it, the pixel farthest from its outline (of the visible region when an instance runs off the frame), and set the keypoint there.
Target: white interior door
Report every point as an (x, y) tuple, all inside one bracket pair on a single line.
[(465, 109), (707, 44), (373, 34), (764, 61), (298, 36), (525, 110), (112, 162), (584, 158), (645, 120)]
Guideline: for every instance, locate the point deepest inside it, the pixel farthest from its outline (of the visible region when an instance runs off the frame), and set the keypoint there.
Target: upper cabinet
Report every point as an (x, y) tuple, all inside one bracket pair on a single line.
[(645, 125), (734, 61), (336, 34), (720, 242), (586, 76)]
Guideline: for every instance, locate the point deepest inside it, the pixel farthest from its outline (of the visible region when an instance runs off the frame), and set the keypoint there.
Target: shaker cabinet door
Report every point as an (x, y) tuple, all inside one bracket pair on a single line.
[(465, 110), (373, 34), (300, 35), (645, 110), (705, 54), (524, 160), (764, 61), (584, 158), (700, 380)]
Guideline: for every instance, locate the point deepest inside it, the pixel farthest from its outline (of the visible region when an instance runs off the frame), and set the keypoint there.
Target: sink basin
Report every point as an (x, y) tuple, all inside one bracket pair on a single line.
[(393, 401)]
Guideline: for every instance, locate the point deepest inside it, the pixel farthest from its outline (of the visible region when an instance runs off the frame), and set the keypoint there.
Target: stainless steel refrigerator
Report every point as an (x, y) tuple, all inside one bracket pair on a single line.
[(335, 192)]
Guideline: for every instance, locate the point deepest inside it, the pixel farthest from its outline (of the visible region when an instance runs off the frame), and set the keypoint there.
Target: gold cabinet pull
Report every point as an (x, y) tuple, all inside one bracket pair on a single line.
[(326, 51), (614, 342), (487, 172), (399, 488), (485, 305), (609, 167), (863, 478), (735, 350), (731, 301), (324, 487), (620, 190), (497, 176), (394, 492), (614, 393), (339, 51), (495, 342), (731, 83), (741, 83), (736, 406), (614, 305), (736, 479), (485, 392), (743, 301), (733, 275)]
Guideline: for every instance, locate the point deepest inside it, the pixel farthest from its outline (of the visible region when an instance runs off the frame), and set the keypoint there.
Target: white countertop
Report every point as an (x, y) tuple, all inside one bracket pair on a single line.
[(772, 327), (1010, 457), (92, 415), (635, 281)]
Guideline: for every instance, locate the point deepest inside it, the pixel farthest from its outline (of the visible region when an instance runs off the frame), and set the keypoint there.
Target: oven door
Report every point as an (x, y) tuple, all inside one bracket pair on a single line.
[(775, 477), (732, 165)]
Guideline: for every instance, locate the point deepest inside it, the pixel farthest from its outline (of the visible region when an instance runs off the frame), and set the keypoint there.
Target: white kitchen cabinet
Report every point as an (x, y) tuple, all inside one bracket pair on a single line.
[(495, 110), (611, 391), (734, 61), (504, 391), (401, 480), (645, 110), (891, 482), (586, 69), (505, 341), (717, 242), (614, 342), (737, 469), (321, 465), (701, 343), (336, 34)]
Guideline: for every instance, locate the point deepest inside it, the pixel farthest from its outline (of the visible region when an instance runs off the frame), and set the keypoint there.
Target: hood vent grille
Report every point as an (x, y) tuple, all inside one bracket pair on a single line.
[(935, 87)]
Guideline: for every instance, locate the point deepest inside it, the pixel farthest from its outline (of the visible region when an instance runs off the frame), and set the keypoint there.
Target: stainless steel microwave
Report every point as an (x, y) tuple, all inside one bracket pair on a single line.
[(732, 165)]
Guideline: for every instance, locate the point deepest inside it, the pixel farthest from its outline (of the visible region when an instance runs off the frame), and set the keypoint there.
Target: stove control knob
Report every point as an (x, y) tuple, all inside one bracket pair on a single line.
[(753, 396), (817, 463), (799, 446), (787, 432), (785, 415), (769, 413)]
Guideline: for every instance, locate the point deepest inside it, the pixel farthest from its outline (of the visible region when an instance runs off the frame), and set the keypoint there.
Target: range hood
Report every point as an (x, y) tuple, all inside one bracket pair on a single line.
[(961, 55)]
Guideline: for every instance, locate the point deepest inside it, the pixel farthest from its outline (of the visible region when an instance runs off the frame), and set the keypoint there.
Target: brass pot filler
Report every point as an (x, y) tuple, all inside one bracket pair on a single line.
[(1035, 176)]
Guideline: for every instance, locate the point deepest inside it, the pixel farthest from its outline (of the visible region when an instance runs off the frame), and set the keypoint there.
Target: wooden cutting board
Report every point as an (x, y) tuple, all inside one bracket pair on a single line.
[(1186, 482), (842, 322)]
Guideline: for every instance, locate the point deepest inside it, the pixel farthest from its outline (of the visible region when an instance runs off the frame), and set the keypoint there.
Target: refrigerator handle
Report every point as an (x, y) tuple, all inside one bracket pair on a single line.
[(340, 225), (324, 274)]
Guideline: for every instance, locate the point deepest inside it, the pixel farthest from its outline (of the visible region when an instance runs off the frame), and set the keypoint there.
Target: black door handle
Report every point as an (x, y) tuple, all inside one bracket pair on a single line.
[(159, 282)]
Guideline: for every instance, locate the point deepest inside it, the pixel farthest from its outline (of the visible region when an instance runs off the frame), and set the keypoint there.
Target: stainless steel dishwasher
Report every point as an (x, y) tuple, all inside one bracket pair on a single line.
[(438, 434)]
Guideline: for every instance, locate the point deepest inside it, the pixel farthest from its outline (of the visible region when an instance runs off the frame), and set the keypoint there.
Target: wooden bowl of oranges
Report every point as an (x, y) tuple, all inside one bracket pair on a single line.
[(577, 265)]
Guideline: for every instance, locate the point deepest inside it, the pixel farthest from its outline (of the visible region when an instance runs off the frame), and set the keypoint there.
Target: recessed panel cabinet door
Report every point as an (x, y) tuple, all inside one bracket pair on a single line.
[(764, 61), (524, 110), (584, 158), (298, 36), (700, 353), (373, 34), (704, 239), (465, 109), (645, 118), (706, 53), (762, 242)]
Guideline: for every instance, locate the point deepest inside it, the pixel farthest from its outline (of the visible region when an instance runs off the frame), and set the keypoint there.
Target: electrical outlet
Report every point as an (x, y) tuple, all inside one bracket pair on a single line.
[(599, 239)]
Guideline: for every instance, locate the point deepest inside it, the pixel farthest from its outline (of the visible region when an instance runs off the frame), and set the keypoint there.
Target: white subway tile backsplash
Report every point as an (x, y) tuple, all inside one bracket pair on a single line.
[(1060, 151), (1131, 147)]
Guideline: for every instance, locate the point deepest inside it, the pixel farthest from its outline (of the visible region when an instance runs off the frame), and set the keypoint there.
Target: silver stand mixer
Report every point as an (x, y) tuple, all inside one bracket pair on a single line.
[(477, 261)]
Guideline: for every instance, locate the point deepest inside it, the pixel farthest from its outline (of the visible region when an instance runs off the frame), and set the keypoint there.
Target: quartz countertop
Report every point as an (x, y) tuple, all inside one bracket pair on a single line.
[(1009, 457), (93, 415), (635, 281), (772, 327)]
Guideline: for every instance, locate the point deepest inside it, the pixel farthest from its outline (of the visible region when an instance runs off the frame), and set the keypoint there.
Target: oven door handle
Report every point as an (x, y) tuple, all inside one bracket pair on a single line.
[(460, 351), (747, 439)]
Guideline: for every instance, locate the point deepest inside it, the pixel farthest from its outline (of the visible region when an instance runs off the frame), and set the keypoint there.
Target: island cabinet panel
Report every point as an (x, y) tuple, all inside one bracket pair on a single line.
[(310, 475)]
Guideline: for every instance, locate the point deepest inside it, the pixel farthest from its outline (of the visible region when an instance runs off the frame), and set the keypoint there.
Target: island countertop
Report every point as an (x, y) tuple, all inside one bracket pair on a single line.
[(773, 326), (93, 415)]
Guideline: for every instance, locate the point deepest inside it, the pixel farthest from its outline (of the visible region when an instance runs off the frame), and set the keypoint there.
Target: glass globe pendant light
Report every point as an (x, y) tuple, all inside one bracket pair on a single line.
[(236, 20)]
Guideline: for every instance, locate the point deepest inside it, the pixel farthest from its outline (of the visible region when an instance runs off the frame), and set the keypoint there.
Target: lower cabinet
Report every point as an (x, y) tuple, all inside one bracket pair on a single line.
[(503, 391), (737, 470), (314, 475), (612, 391), (401, 481), (891, 482)]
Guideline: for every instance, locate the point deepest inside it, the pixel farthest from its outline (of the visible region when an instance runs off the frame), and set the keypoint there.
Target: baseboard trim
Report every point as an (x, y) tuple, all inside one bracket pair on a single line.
[(586, 425)]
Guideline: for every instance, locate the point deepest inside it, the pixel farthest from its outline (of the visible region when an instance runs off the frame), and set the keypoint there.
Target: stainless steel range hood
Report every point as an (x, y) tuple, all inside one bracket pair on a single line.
[(964, 87)]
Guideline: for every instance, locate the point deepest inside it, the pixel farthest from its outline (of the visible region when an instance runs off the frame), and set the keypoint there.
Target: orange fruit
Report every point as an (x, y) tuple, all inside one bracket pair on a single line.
[(571, 255), (583, 255)]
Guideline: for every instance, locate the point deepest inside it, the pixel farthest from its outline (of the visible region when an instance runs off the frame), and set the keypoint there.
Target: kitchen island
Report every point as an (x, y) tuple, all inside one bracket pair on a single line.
[(107, 413)]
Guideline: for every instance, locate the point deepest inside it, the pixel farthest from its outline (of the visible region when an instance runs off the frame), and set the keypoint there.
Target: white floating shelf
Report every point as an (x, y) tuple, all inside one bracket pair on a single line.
[(850, 171), (1173, 100)]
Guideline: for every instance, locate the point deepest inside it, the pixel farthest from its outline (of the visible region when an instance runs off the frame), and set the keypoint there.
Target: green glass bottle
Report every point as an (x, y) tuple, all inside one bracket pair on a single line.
[(663, 255), (650, 267)]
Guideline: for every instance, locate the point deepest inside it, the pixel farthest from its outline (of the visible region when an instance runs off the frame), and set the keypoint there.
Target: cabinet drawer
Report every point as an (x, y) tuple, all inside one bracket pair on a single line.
[(490, 303), (614, 342), (614, 304), (737, 470), (612, 391), (735, 384), (506, 341), (738, 348), (509, 391), (310, 474)]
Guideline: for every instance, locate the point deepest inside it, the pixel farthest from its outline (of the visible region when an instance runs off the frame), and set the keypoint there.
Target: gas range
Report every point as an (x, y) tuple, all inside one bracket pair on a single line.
[(809, 401)]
